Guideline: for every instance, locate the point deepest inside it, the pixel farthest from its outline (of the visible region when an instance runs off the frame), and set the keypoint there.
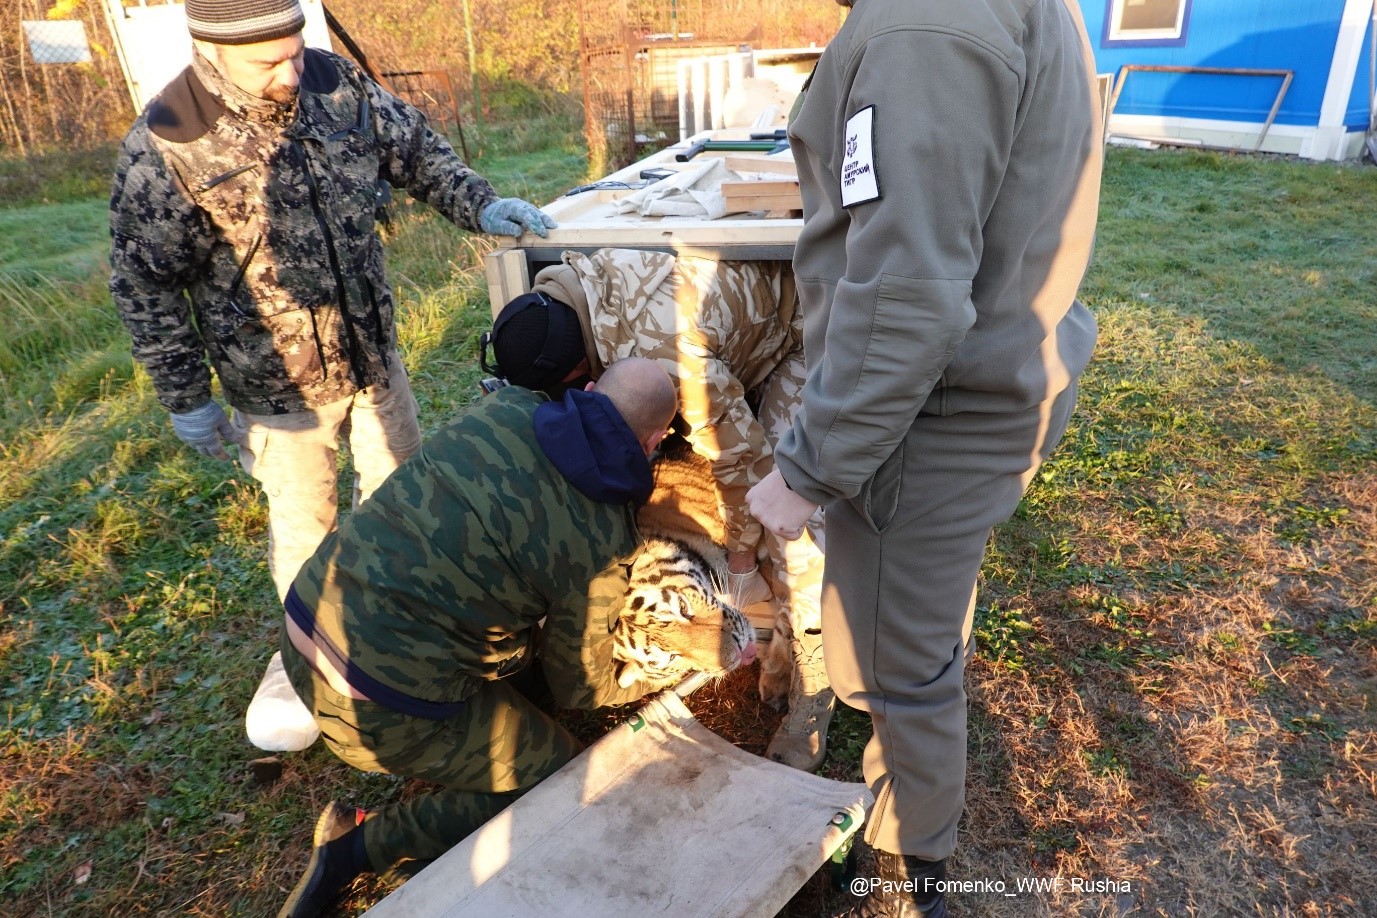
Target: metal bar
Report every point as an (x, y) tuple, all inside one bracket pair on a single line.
[(1276, 106), (1286, 75), (458, 116), (629, 70), (731, 146), (1234, 71), (347, 40), (690, 684)]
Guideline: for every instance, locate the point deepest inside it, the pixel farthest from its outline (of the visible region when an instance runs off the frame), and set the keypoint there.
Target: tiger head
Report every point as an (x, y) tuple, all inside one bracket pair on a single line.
[(675, 620)]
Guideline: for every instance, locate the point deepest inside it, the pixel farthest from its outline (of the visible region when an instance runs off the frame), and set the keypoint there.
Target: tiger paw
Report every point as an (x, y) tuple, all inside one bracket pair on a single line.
[(776, 672)]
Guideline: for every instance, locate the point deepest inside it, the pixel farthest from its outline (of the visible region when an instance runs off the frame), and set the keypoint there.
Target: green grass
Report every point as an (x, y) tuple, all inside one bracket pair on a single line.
[(56, 177), (1189, 226), (1177, 630)]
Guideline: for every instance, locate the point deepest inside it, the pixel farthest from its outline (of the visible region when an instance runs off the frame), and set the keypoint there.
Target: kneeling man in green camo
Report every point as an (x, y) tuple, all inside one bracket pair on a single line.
[(403, 627)]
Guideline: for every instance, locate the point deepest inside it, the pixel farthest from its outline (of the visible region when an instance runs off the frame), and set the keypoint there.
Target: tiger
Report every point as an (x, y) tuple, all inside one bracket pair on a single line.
[(677, 619)]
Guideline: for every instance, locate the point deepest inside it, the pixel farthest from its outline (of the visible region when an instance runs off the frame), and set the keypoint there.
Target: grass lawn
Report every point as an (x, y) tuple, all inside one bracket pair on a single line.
[(1174, 692)]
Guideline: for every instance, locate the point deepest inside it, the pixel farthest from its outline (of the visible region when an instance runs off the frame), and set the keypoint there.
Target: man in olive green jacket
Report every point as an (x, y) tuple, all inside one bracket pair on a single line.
[(949, 158)]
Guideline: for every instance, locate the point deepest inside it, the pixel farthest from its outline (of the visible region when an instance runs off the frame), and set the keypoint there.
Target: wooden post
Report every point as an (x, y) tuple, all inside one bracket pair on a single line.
[(458, 115), (508, 276), (474, 88)]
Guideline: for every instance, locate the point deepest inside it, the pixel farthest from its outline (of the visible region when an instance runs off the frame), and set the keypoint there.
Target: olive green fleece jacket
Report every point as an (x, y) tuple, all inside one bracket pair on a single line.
[(954, 288)]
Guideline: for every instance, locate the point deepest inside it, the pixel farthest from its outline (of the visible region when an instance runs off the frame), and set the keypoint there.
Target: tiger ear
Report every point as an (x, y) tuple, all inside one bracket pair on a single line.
[(630, 672)]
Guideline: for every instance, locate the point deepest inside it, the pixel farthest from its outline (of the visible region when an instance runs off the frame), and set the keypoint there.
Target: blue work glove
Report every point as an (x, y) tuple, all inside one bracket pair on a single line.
[(513, 216), (205, 429)]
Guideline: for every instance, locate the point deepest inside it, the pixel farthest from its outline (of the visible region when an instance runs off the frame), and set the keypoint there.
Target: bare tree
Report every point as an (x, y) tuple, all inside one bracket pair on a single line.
[(524, 52), (46, 106)]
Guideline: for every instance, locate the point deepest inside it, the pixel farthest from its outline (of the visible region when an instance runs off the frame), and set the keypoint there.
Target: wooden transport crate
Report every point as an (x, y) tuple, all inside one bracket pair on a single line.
[(588, 220)]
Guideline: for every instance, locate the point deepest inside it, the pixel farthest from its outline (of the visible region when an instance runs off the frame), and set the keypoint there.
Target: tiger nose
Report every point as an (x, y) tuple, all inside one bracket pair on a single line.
[(748, 654)]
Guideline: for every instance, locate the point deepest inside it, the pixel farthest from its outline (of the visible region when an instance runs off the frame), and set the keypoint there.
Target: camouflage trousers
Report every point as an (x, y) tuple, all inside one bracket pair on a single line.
[(497, 747), (798, 565), (295, 457)]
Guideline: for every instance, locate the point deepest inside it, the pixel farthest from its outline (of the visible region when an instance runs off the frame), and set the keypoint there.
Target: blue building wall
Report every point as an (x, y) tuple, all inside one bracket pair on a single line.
[(1297, 35)]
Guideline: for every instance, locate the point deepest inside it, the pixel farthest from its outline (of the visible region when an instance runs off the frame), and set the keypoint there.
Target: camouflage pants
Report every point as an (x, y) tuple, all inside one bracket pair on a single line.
[(295, 457), (798, 565), (497, 747)]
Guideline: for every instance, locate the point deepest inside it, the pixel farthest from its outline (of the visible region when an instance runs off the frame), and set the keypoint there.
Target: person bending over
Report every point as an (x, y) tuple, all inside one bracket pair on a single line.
[(509, 534)]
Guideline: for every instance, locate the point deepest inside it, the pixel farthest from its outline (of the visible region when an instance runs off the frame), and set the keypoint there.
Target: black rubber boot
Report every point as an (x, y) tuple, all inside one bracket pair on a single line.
[(337, 857), (903, 887)]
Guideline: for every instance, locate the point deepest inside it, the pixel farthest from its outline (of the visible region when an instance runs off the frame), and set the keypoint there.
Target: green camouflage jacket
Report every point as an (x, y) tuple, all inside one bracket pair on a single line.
[(440, 579), (263, 216), (720, 329)]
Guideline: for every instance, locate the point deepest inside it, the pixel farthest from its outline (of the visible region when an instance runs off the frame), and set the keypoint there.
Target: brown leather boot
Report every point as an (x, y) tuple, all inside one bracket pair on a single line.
[(801, 740), (903, 887)]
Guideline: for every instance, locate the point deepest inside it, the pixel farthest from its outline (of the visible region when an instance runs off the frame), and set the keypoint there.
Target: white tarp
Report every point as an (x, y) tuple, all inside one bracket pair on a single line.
[(660, 817), (695, 191)]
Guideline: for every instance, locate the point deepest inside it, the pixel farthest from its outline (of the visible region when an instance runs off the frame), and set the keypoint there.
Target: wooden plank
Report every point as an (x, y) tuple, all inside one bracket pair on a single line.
[(764, 202), (626, 231), (754, 189), (745, 162), (743, 251), (508, 276)]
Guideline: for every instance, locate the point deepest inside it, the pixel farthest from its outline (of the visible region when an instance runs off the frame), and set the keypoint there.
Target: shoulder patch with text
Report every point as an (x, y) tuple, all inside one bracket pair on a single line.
[(860, 177)]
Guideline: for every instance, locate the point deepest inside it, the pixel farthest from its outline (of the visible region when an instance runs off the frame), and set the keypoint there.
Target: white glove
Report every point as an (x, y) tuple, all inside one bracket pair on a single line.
[(513, 216), (748, 589), (204, 429)]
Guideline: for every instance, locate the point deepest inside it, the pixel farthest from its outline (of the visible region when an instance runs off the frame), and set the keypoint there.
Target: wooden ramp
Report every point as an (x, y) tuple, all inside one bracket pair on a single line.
[(660, 817)]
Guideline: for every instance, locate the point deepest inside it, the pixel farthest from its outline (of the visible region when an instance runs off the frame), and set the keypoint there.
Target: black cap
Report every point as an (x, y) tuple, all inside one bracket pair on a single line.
[(536, 342)]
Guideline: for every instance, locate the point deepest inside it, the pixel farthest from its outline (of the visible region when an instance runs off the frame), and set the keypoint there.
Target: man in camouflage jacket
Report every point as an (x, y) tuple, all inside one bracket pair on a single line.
[(403, 627), (243, 237), (730, 335)]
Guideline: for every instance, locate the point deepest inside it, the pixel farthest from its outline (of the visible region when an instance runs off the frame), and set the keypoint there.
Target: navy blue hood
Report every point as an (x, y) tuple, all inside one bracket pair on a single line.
[(594, 449)]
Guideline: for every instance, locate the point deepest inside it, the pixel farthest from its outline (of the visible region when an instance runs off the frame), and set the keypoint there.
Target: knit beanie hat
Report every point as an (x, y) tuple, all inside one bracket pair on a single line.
[(536, 341), (243, 22)]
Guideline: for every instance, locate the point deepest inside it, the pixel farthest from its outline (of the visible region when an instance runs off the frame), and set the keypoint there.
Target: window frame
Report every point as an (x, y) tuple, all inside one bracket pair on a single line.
[(1113, 37)]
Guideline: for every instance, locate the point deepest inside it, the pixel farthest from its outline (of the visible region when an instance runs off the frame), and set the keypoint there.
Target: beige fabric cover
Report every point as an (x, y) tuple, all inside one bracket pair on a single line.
[(660, 817)]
